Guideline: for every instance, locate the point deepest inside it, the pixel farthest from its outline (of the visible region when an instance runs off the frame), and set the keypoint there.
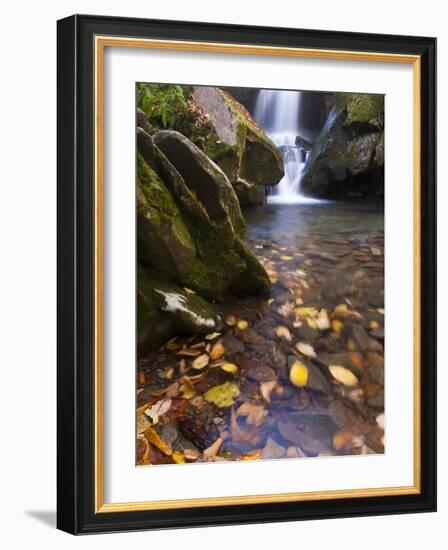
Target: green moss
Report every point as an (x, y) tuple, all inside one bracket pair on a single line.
[(365, 108)]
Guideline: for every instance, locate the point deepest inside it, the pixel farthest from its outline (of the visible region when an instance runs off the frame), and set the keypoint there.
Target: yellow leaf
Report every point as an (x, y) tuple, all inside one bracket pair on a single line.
[(299, 301), (306, 349), (200, 362), (298, 374), (212, 335), (178, 457), (343, 375), (153, 437), (283, 332), (242, 325), (286, 258), (229, 367), (304, 312), (374, 325), (222, 395), (337, 325), (311, 323), (187, 389), (322, 320)]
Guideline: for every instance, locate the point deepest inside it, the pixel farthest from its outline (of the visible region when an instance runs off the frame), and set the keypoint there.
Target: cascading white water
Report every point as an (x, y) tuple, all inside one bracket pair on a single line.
[(278, 113)]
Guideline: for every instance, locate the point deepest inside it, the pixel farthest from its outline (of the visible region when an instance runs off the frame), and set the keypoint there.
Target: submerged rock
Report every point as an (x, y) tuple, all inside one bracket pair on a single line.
[(347, 158)]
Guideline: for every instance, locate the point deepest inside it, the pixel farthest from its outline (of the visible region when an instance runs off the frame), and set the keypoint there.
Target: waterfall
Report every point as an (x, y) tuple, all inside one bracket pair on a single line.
[(278, 113)]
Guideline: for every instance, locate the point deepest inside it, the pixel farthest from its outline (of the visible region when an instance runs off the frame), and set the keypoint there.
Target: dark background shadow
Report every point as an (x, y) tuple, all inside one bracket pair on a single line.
[(47, 517)]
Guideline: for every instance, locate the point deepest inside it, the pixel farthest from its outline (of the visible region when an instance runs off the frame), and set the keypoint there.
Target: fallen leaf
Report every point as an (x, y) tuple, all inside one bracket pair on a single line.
[(266, 389), (189, 291), (160, 408), (229, 367), (222, 395), (212, 335), (343, 375), (337, 325), (298, 374), (213, 450), (299, 301), (254, 413), (172, 390), (342, 440), (152, 415), (283, 332), (200, 362), (217, 351), (153, 437), (322, 320), (142, 450), (374, 325), (242, 325), (306, 349), (380, 421), (178, 457), (187, 388), (231, 320), (142, 423), (188, 352)]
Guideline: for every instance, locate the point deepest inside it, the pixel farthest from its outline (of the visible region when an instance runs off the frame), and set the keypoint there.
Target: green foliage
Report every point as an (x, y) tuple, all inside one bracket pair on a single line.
[(162, 102)]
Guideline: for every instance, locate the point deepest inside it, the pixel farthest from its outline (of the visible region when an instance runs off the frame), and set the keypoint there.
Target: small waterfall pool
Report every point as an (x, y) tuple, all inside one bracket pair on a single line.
[(278, 113)]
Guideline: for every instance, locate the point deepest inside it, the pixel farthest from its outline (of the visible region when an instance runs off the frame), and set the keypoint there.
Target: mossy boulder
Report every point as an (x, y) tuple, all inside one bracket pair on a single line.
[(222, 128), (348, 156), (189, 235), (205, 179), (165, 309), (238, 145), (163, 239)]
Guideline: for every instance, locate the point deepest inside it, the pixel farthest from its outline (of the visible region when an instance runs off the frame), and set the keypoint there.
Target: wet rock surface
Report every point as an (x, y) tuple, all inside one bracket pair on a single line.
[(299, 373)]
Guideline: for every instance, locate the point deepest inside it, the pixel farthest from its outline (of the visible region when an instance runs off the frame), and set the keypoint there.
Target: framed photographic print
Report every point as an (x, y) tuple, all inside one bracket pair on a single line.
[(246, 274)]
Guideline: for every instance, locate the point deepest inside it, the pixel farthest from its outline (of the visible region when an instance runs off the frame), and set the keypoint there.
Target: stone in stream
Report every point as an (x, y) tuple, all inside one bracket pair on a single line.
[(273, 450), (377, 401), (317, 381), (309, 444), (232, 345)]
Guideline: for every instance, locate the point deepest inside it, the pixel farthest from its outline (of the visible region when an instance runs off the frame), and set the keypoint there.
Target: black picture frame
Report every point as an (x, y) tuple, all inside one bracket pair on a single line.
[(76, 265)]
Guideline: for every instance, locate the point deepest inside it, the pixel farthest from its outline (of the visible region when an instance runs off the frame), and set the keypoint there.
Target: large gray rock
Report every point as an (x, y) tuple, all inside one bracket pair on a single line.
[(238, 145), (204, 178), (348, 155)]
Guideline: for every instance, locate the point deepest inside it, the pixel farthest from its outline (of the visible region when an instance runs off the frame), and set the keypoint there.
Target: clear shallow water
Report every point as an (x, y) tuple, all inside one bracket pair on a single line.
[(287, 222)]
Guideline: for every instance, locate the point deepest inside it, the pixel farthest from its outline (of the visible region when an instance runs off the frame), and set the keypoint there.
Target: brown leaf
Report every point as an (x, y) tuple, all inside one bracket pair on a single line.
[(189, 352), (217, 351)]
